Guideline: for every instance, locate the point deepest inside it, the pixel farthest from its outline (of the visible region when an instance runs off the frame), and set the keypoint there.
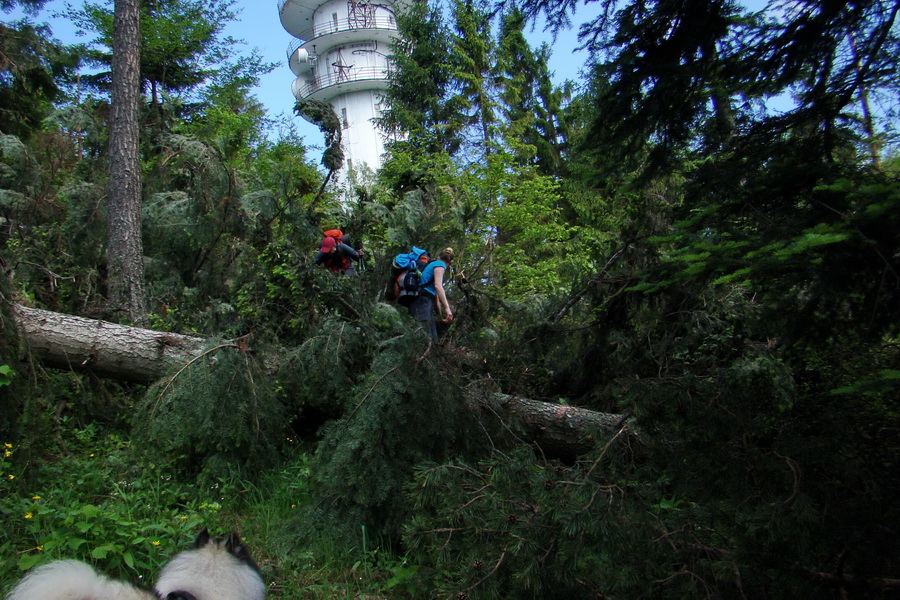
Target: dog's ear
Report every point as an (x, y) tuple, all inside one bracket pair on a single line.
[(234, 545), (239, 550), (202, 538)]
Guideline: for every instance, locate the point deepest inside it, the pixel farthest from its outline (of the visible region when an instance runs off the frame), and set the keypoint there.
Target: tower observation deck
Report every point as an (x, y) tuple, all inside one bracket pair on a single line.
[(342, 55)]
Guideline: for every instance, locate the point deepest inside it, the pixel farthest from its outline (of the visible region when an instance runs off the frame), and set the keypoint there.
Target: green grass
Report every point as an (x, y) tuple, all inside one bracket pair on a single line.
[(97, 501)]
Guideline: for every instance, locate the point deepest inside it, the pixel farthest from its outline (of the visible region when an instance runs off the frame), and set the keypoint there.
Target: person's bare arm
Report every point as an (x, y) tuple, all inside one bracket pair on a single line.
[(441, 296)]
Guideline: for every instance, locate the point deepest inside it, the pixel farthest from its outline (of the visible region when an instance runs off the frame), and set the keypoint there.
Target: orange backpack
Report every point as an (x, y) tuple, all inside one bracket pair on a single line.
[(336, 234)]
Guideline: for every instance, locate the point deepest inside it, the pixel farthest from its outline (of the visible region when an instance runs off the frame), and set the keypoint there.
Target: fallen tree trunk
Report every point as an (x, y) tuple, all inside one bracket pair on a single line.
[(107, 349), (144, 356), (559, 431)]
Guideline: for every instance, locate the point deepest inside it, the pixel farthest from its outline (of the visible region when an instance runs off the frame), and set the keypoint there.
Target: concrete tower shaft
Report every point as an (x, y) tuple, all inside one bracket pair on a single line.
[(342, 55)]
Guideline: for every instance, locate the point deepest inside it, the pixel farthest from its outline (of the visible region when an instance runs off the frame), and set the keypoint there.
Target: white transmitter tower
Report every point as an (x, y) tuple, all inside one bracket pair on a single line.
[(342, 56)]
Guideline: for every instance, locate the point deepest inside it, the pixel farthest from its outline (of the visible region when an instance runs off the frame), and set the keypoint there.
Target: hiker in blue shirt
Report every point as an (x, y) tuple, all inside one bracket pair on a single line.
[(432, 286)]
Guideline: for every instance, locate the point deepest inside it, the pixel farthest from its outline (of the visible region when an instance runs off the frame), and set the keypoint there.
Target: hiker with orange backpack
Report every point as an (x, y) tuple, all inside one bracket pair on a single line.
[(335, 255)]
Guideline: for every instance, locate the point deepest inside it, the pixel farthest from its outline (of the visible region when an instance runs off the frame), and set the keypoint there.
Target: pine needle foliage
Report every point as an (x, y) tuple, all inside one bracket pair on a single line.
[(517, 526), (323, 116), (189, 204), (409, 407), (320, 372), (33, 71), (730, 490), (749, 446), (18, 166), (217, 413), (53, 211)]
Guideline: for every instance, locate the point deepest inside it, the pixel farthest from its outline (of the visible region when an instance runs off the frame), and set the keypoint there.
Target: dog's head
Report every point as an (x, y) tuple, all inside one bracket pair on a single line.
[(231, 544), (215, 569)]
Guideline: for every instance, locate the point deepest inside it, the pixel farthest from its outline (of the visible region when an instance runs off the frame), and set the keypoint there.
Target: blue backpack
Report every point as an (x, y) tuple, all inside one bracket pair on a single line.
[(406, 273)]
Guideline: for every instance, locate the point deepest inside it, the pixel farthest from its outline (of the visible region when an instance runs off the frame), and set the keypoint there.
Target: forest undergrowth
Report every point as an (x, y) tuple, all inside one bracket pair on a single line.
[(81, 490)]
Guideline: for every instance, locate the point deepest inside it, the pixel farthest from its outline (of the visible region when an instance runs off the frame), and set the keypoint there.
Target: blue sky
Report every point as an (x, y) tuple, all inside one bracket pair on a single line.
[(259, 26)]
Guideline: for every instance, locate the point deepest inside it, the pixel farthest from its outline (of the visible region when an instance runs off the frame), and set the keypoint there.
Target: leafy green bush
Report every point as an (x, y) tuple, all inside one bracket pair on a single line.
[(6, 374), (96, 505)]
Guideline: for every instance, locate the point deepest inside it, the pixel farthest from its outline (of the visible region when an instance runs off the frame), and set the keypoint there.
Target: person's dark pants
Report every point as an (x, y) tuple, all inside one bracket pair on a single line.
[(422, 308)]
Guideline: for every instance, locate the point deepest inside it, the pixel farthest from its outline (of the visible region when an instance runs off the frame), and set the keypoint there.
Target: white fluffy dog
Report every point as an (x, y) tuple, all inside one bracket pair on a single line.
[(213, 570)]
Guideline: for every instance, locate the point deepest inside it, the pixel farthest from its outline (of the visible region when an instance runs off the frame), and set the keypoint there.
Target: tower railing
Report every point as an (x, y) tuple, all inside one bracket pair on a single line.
[(345, 76), (368, 22)]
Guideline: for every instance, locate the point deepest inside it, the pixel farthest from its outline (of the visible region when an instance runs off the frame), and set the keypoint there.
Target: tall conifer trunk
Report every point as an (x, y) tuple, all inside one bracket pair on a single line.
[(125, 247)]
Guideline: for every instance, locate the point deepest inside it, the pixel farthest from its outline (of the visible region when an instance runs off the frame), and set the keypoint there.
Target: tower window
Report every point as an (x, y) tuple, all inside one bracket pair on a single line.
[(344, 118)]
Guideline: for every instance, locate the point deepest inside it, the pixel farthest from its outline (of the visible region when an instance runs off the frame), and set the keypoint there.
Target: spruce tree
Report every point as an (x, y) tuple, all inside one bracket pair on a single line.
[(532, 103), (34, 73), (422, 82), (181, 43), (475, 90)]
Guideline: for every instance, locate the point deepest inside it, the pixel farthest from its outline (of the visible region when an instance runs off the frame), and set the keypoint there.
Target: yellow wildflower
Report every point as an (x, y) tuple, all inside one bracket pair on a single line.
[(40, 548), (7, 453), (10, 476), (28, 515), (7, 445), (35, 497), (155, 543)]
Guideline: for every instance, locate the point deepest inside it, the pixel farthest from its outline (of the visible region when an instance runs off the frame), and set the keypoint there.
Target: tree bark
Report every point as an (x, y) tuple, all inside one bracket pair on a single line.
[(125, 250), (144, 356), (559, 431), (107, 349)]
